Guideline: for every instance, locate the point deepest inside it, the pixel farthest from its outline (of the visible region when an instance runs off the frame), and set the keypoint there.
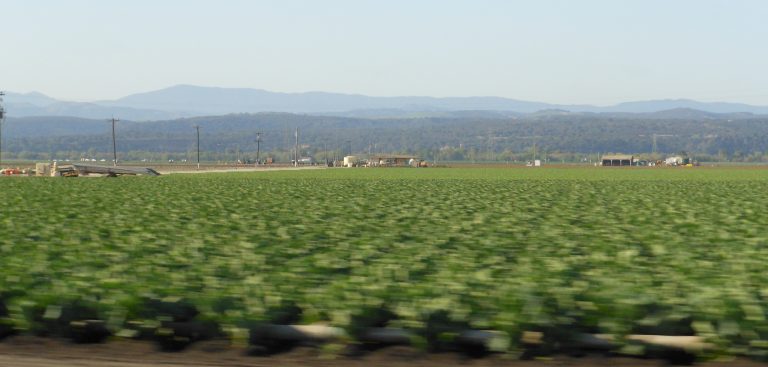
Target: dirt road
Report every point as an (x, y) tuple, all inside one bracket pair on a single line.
[(165, 171)]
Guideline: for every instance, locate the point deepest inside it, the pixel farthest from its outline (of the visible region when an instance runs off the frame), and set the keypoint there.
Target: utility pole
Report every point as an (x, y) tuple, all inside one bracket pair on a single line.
[(489, 156), (197, 128), (258, 147), (2, 119), (296, 152), (654, 146), (114, 143)]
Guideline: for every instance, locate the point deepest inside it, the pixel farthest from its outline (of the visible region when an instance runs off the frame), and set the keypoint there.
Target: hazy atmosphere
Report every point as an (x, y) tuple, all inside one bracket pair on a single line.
[(566, 52)]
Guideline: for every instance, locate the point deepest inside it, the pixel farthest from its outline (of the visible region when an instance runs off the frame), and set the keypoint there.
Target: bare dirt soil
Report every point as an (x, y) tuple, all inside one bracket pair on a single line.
[(25, 351), (220, 169)]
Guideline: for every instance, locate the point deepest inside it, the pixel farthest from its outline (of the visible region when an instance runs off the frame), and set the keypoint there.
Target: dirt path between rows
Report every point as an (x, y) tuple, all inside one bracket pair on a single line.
[(24, 351), (164, 171)]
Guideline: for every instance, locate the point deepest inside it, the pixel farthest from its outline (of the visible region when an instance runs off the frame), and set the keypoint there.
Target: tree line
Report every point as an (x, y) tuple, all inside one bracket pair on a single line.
[(571, 138)]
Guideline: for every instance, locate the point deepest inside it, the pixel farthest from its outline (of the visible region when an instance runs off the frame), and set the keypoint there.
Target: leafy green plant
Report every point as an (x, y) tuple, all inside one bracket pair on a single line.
[(563, 251)]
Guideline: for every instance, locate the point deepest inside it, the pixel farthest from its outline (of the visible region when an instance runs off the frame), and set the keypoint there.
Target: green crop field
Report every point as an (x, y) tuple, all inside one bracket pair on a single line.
[(562, 251)]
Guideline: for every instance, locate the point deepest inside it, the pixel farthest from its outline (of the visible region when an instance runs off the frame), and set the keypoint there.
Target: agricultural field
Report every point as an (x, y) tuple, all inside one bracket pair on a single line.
[(560, 252)]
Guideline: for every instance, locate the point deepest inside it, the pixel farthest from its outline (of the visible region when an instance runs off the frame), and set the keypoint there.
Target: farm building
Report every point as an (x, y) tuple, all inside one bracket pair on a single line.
[(674, 161), (350, 161), (385, 160), (618, 160)]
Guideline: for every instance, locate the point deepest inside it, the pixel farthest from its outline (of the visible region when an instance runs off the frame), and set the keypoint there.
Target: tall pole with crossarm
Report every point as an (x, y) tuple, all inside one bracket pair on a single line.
[(296, 152), (258, 147), (197, 128), (2, 119), (114, 143)]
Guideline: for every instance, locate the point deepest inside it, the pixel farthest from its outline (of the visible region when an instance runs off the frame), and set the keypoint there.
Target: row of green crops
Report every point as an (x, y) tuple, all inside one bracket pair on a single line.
[(667, 251)]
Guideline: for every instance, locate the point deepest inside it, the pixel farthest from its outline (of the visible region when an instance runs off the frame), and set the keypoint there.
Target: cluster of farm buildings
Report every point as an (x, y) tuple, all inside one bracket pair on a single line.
[(384, 160), (630, 160)]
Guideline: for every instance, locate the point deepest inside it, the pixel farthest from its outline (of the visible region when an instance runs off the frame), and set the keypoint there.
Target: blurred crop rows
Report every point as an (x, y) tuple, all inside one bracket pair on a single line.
[(558, 251)]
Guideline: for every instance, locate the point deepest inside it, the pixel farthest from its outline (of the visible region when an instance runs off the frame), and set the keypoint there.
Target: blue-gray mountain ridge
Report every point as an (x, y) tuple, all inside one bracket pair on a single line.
[(189, 101)]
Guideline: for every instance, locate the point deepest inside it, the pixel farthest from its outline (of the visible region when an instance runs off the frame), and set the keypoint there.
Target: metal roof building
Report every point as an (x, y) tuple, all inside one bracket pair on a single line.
[(617, 160)]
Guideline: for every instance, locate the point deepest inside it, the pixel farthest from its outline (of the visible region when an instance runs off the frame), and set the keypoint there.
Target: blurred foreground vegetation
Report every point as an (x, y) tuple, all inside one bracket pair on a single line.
[(620, 251)]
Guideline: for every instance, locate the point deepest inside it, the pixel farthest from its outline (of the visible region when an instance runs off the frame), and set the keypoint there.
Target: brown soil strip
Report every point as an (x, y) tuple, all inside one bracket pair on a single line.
[(25, 351)]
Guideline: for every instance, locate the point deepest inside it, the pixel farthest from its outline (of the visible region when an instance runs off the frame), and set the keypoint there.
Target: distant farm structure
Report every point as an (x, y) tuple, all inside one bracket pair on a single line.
[(384, 160), (391, 160), (617, 160), (621, 160)]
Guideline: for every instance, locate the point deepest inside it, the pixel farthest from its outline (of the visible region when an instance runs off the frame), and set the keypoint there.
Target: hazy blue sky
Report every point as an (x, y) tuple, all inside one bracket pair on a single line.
[(568, 51)]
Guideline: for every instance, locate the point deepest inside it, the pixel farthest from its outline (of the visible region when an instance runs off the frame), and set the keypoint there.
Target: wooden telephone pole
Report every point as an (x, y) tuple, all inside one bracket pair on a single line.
[(114, 142), (296, 152), (2, 119), (197, 128), (258, 147)]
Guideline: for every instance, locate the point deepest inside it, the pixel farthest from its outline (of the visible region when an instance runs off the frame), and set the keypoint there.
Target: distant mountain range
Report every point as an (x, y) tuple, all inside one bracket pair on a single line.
[(38, 104), (190, 101)]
